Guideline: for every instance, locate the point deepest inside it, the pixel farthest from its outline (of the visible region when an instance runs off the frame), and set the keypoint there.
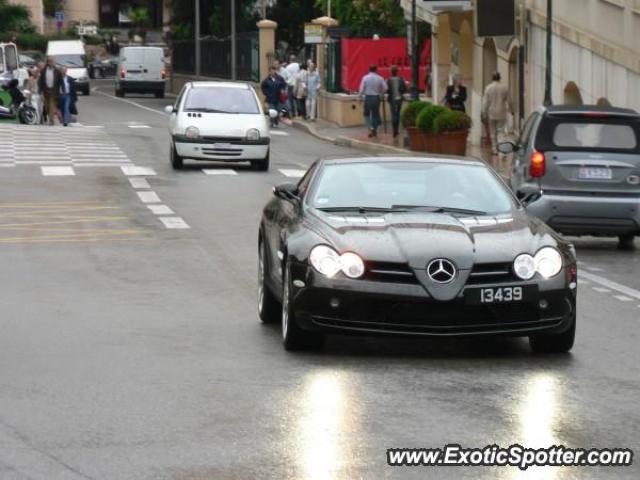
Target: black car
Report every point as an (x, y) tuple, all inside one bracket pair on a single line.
[(103, 68), (412, 246)]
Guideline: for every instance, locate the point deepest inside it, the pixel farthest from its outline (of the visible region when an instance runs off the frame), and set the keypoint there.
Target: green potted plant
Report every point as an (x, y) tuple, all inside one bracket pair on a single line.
[(408, 119), (426, 125), (452, 128)]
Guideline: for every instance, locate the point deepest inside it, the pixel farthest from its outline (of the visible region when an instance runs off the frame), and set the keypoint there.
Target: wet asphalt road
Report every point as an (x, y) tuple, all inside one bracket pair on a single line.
[(129, 350)]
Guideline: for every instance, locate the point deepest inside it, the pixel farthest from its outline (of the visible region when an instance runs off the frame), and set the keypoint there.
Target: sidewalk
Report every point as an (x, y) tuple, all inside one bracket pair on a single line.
[(357, 137)]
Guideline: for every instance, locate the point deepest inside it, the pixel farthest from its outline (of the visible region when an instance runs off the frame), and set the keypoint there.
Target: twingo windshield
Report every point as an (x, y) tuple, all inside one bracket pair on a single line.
[(410, 184), (71, 61), (221, 100)]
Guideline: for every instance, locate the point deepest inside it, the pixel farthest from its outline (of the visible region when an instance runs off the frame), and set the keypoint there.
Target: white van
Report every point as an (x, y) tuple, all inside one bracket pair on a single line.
[(9, 64), (71, 54), (141, 70)]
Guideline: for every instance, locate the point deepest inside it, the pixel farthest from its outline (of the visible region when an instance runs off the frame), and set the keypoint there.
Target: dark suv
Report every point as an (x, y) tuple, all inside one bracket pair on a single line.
[(581, 166)]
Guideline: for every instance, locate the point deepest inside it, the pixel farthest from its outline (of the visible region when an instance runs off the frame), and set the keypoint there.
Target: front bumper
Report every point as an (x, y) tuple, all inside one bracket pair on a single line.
[(369, 307), (594, 214), (228, 150), (141, 86)]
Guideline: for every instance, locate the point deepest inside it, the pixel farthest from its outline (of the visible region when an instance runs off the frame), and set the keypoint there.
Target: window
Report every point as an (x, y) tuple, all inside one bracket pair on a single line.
[(11, 57), (397, 183), (594, 135), (71, 61), (221, 100)]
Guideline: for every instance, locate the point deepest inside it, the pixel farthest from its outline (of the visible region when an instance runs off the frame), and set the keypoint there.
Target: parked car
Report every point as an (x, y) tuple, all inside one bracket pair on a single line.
[(412, 246), (26, 61), (221, 121), (71, 54), (103, 67), (141, 70), (584, 164)]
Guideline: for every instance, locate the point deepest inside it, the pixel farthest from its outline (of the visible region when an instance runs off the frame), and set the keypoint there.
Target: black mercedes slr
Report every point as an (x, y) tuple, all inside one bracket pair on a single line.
[(412, 246)]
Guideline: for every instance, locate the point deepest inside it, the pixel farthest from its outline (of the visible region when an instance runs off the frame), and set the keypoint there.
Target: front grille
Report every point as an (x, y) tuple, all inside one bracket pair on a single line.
[(231, 140), (483, 273), (389, 272), (594, 225), (223, 152)]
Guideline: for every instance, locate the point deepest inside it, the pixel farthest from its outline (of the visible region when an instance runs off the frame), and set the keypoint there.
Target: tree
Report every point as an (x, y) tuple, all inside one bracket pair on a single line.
[(140, 18), (364, 18), (15, 18), (52, 6)]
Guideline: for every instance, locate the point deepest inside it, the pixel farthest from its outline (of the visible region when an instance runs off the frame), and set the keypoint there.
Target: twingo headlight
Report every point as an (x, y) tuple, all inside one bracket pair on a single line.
[(352, 265), (524, 266), (192, 132), (548, 262), (253, 134), (325, 260)]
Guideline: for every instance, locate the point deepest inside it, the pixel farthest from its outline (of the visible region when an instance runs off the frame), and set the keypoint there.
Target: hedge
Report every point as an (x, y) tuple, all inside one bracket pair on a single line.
[(427, 117), (410, 114)]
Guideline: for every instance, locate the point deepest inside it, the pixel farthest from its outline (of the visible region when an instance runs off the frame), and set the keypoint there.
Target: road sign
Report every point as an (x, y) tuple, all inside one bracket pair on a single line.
[(313, 33), (87, 29), (59, 19), (447, 5)]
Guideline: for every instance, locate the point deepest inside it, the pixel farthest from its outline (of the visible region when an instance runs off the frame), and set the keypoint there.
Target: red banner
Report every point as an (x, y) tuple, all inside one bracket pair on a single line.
[(360, 53)]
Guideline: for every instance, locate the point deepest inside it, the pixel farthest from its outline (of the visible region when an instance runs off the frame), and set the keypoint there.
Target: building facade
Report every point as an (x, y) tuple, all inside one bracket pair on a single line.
[(595, 56), (37, 12)]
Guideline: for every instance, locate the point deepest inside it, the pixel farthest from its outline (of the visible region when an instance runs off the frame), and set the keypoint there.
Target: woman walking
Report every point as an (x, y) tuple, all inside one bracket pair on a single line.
[(313, 87), (300, 90)]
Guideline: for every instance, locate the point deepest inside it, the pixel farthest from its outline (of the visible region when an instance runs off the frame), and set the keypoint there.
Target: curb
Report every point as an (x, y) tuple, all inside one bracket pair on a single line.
[(345, 141)]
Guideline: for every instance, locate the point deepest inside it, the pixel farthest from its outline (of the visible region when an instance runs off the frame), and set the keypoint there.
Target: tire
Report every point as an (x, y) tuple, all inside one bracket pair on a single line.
[(86, 91), (177, 162), (626, 242), (269, 309), (28, 116), (159, 94), (92, 72), (261, 165), (119, 92), (554, 342), (293, 337)]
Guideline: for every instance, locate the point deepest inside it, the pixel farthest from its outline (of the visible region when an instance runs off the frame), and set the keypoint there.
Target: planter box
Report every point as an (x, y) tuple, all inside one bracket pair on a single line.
[(416, 142), (453, 143), (431, 142)]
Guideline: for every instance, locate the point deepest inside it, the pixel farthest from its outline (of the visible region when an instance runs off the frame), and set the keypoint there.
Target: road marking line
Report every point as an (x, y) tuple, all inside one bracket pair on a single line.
[(101, 164), (139, 126), (137, 182), (219, 171), (57, 171), (134, 171), (291, 172), (601, 290), (622, 298), (174, 222), (149, 197), (160, 210), (132, 103), (627, 291), (593, 269), (279, 133)]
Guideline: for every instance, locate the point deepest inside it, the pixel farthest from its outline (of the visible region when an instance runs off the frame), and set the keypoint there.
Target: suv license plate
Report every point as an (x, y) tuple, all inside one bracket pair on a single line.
[(594, 173), (497, 295)]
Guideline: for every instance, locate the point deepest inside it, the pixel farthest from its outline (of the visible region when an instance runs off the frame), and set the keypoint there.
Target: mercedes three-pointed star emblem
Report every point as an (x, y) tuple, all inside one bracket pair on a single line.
[(441, 270)]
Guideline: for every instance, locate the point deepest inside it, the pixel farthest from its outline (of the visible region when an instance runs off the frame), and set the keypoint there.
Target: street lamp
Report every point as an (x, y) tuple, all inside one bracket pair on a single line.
[(233, 41), (197, 37), (415, 90), (547, 73)]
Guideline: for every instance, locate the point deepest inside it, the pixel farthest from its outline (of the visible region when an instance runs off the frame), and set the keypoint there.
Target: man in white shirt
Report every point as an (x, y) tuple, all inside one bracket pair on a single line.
[(49, 86), (496, 105), (293, 69), (67, 96)]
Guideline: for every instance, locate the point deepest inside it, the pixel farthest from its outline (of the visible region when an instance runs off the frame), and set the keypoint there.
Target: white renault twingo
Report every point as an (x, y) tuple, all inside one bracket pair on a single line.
[(219, 121)]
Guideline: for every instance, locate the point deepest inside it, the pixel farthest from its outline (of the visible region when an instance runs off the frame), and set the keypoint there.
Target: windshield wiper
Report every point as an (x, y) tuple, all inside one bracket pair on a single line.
[(207, 110), (431, 209), (363, 209)]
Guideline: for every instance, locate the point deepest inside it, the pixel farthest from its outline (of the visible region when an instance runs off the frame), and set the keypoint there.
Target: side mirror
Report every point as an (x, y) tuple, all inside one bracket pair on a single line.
[(507, 147), (287, 191), (528, 193), (169, 109)]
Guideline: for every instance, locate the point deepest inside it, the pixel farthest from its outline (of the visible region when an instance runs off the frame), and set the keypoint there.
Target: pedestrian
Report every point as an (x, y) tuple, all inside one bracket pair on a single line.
[(301, 90), (372, 88), (49, 85), (397, 87), (456, 95), (68, 96), (293, 69), (496, 105), (313, 88), (272, 87), (34, 91)]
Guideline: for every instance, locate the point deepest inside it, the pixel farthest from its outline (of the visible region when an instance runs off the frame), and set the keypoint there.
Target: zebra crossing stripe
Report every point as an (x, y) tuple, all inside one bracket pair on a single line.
[(57, 171)]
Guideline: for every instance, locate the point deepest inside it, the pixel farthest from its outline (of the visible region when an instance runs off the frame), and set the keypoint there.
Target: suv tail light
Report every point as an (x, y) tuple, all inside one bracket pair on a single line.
[(537, 165), (123, 73), (163, 73)]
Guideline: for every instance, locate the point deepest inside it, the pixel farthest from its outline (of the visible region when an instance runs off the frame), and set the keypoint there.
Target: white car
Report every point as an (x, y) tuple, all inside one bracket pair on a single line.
[(220, 121)]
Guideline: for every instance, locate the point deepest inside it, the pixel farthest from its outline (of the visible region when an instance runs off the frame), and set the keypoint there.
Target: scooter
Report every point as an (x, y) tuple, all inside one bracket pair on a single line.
[(19, 109)]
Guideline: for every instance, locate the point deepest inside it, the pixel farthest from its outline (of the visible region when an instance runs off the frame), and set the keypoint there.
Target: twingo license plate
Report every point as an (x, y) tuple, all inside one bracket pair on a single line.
[(498, 295), (594, 173)]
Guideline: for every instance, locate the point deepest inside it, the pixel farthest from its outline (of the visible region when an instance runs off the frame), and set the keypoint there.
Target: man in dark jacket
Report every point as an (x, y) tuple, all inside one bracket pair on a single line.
[(456, 95), (68, 96), (396, 88), (49, 84), (271, 88)]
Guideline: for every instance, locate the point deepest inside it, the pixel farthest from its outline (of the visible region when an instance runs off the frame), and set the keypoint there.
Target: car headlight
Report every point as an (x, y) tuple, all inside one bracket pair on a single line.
[(524, 266), (327, 261), (253, 134), (192, 132), (548, 262)]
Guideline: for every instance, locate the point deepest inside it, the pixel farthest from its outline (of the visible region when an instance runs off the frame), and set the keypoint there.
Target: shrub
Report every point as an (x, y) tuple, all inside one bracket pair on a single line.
[(452, 121), (426, 118), (410, 114)]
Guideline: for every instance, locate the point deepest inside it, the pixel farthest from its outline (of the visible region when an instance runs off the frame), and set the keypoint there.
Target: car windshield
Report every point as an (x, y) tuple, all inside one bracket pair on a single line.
[(406, 186), (595, 135), (221, 100), (73, 61)]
